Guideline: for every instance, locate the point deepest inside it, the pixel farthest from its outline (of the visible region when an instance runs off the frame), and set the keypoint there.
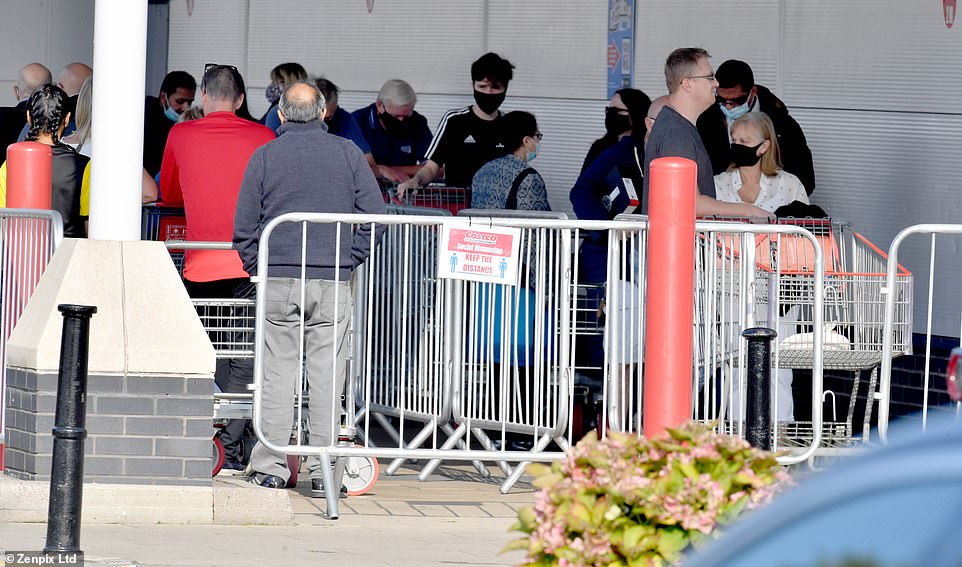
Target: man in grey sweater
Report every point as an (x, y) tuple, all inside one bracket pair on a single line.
[(305, 169)]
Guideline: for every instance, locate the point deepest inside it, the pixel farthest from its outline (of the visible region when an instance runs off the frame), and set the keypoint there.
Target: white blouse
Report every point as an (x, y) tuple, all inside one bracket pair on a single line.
[(776, 190)]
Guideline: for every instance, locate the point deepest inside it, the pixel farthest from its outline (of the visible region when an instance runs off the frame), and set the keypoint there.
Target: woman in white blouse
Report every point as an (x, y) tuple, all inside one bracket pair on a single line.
[(756, 176)]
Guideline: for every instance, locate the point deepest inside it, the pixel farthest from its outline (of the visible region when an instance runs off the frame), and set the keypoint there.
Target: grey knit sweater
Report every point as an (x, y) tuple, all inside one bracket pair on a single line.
[(306, 169)]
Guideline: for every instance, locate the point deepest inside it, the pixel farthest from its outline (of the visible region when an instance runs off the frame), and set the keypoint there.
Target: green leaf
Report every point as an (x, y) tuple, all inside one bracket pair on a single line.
[(548, 480), (522, 543), (671, 542), (526, 519)]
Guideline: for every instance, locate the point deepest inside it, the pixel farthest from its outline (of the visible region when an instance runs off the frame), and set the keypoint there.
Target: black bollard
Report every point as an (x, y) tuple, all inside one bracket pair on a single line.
[(69, 432), (758, 414)]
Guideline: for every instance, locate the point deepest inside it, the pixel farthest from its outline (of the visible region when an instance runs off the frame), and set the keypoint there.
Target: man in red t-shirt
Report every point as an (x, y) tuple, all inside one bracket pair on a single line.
[(204, 163)]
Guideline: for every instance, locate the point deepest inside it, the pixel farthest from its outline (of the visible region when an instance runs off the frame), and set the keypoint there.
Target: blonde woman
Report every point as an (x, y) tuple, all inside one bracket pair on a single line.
[(82, 142), (756, 176)]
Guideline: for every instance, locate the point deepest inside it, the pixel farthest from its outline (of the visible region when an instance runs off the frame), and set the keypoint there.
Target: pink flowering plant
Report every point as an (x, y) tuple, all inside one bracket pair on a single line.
[(627, 500)]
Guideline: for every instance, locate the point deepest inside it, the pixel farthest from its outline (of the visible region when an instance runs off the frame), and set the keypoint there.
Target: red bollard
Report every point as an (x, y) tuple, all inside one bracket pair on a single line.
[(670, 303), (29, 173)]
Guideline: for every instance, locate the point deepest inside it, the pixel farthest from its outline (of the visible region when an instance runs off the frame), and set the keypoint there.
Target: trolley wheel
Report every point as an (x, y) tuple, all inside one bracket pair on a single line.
[(218, 456), (360, 474)]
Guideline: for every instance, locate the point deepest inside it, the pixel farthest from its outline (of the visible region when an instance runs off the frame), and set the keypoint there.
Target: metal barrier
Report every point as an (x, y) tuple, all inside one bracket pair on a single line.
[(497, 359), (739, 283), (28, 239), (898, 316)]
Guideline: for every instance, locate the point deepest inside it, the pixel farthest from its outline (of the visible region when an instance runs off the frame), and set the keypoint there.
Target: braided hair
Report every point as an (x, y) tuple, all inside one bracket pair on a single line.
[(46, 107)]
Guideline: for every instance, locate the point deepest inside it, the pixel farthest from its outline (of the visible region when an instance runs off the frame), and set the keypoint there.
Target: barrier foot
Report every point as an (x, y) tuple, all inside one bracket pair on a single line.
[(478, 465), (449, 443), (515, 476), (414, 444), (331, 492), (485, 441), (388, 428)]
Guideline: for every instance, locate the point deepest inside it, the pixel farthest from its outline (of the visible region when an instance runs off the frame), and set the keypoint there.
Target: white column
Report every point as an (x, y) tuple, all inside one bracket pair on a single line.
[(116, 169)]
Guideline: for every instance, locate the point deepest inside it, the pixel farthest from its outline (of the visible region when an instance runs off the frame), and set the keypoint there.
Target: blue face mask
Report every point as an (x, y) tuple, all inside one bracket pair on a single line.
[(171, 114), (531, 155), (733, 114)]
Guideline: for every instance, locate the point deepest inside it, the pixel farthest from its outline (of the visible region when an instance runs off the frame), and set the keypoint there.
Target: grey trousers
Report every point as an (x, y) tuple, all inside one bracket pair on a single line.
[(326, 319)]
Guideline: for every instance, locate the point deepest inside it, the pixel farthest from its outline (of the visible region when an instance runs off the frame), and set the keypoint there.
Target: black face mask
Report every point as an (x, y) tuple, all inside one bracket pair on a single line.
[(488, 102), (392, 125), (616, 123), (745, 156)]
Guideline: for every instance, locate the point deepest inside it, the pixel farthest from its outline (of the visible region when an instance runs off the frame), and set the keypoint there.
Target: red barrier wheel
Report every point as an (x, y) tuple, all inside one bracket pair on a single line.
[(218, 456)]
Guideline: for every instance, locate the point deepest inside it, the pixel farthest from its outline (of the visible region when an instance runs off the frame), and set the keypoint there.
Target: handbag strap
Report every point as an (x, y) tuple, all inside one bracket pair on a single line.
[(512, 202)]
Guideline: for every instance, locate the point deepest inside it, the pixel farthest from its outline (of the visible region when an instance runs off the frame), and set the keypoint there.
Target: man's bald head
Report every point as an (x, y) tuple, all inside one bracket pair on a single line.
[(72, 77), (31, 77), (653, 110), (301, 102)]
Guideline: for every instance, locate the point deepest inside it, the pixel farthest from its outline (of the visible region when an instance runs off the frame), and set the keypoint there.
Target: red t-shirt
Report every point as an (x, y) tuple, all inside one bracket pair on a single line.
[(204, 163)]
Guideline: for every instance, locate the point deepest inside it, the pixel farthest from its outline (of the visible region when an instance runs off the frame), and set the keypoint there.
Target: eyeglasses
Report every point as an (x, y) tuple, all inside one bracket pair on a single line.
[(709, 77), (615, 110), (537, 136), (737, 101)]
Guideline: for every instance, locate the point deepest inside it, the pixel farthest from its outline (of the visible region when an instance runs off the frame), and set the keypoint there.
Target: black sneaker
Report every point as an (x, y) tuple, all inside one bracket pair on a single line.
[(317, 489), (232, 465), (268, 481)]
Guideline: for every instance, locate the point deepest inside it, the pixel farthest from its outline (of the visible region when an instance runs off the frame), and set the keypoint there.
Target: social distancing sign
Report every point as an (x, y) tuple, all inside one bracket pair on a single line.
[(482, 255)]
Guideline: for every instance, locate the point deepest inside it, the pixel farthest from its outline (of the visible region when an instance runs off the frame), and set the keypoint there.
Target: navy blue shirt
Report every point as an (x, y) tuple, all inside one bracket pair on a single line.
[(341, 124), (403, 148)]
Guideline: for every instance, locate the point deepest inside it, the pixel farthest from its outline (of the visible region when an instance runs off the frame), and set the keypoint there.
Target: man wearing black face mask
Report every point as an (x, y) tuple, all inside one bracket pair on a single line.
[(468, 138), (399, 137)]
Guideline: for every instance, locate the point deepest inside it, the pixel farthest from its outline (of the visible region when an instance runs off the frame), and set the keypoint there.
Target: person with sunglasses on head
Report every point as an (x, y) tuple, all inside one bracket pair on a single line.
[(509, 182), (737, 95), (691, 90), (468, 137), (202, 169)]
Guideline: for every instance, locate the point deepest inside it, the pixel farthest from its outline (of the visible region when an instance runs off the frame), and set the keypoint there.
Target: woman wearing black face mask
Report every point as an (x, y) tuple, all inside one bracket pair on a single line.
[(756, 176), (626, 109)]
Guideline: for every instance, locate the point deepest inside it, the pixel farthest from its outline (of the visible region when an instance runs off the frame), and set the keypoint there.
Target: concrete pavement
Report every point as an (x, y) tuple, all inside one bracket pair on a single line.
[(455, 518)]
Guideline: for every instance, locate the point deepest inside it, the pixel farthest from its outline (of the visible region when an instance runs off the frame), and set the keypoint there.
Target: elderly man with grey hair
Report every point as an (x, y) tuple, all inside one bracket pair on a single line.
[(305, 169), (13, 119), (399, 137)]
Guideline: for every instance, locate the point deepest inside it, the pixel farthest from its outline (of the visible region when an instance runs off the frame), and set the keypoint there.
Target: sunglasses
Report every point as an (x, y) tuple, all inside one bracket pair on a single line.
[(737, 101), (210, 66)]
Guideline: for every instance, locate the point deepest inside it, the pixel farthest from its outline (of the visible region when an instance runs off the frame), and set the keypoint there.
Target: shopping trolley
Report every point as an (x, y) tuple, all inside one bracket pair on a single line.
[(432, 196), (781, 286)]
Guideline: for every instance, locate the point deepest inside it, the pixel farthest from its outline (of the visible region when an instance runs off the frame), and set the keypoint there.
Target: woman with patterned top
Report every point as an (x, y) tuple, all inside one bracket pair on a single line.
[(756, 176), (508, 182)]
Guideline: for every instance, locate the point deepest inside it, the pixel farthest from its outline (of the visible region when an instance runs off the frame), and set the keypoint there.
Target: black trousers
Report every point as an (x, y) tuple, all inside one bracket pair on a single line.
[(232, 375)]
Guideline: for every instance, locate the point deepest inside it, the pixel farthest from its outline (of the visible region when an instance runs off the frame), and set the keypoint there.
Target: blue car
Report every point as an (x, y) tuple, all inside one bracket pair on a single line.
[(897, 505)]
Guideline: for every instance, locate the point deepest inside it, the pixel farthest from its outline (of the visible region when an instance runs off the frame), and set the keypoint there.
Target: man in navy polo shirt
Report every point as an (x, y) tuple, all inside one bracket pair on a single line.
[(399, 137)]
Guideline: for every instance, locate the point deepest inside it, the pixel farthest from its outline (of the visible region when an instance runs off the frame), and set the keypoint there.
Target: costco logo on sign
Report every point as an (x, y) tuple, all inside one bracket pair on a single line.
[(484, 255)]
